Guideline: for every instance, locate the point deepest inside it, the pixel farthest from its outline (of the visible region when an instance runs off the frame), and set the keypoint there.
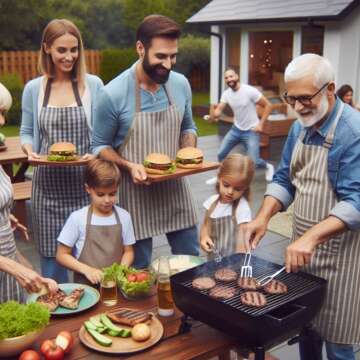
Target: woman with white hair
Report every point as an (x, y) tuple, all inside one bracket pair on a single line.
[(320, 172), (15, 271)]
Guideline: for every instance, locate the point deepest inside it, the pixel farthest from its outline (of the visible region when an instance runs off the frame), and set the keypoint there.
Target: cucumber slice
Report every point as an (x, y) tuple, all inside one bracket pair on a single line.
[(107, 323), (113, 333), (90, 325), (101, 329), (96, 321), (125, 333), (99, 338)]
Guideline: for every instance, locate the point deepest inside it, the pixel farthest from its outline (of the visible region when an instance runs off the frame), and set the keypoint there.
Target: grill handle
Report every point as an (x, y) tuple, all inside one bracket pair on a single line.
[(293, 311)]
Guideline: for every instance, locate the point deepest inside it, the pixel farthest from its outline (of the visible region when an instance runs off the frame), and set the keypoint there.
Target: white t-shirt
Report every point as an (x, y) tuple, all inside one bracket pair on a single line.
[(242, 213), (74, 231), (243, 103)]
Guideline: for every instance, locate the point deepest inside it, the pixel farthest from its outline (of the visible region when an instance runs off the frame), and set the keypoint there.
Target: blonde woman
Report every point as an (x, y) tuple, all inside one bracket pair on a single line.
[(58, 106), (15, 271)]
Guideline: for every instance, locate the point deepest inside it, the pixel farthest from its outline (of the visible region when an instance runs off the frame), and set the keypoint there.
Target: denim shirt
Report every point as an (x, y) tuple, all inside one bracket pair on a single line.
[(343, 164), (116, 107)]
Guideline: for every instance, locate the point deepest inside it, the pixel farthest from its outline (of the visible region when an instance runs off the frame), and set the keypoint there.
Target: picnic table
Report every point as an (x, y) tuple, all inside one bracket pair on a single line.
[(13, 154), (199, 342)]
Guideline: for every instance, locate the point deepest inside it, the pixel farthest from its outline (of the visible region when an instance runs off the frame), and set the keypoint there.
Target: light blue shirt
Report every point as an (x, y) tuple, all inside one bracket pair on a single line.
[(74, 231), (343, 164), (29, 130), (116, 107)]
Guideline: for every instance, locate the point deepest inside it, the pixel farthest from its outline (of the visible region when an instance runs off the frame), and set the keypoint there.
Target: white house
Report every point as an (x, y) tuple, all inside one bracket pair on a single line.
[(260, 37)]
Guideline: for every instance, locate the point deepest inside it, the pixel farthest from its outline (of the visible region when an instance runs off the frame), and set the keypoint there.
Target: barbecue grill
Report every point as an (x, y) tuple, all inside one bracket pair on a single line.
[(255, 329)]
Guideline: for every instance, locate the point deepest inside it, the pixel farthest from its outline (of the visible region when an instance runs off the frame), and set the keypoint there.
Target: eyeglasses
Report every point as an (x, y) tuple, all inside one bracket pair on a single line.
[(304, 100)]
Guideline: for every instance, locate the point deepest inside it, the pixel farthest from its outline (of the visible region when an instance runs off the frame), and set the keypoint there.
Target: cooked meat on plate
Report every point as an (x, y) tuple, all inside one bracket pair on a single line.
[(73, 299), (129, 317), (51, 300)]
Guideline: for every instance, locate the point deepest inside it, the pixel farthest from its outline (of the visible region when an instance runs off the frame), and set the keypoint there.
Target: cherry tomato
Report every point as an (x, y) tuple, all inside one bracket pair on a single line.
[(131, 277), (29, 355), (142, 276)]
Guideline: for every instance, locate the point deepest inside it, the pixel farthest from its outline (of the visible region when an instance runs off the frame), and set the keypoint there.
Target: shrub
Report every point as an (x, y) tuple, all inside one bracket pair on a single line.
[(193, 52), (15, 85), (115, 61)]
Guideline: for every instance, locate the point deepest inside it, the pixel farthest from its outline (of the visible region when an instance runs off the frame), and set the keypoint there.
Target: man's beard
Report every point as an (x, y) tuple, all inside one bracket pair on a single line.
[(317, 115), (157, 73), (232, 84)]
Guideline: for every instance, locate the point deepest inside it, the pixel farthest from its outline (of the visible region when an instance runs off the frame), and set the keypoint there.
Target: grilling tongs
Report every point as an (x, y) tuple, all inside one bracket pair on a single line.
[(266, 279)]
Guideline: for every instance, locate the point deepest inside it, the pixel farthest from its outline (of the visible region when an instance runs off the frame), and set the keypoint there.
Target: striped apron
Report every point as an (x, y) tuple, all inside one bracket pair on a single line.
[(9, 287), (222, 232), (58, 191), (336, 260), (103, 246), (165, 206)]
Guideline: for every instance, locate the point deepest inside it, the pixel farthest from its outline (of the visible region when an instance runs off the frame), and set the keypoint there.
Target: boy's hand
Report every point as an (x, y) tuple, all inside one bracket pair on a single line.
[(207, 244), (93, 275)]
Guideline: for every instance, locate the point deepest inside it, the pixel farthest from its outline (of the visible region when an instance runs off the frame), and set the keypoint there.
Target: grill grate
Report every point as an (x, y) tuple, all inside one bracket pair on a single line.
[(298, 284)]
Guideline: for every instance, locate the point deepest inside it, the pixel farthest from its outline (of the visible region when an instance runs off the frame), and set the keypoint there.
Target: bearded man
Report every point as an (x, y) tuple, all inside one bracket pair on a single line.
[(147, 109), (243, 99), (320, 173)]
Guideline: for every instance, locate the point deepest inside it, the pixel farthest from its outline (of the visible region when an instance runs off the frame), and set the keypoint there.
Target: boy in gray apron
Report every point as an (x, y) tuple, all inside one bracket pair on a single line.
[(320, 171), (148, 109), (98, 235)]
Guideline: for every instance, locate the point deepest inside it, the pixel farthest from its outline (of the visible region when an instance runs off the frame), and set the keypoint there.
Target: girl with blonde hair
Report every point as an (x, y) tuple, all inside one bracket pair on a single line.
[(57, 107), (229, 207)]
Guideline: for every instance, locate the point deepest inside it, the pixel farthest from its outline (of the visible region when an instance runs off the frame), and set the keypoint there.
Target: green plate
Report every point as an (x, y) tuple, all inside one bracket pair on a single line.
[(180, 263), (90, 298)]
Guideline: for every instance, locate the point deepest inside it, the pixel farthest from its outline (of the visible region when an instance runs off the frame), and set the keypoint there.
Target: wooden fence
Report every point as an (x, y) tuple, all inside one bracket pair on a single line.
[(25, 63)]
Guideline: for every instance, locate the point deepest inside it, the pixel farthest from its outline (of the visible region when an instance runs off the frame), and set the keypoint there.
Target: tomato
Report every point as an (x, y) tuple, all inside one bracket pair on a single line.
[(142, 276), (51, 351), (64, 340), (131, 277), (29, 355)]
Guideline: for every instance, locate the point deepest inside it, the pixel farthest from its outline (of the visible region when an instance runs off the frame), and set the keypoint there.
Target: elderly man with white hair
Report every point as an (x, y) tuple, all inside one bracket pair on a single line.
[(320, 173)]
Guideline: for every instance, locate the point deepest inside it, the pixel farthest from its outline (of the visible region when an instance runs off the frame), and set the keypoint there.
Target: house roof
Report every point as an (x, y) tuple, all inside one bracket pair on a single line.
[(247, 11)]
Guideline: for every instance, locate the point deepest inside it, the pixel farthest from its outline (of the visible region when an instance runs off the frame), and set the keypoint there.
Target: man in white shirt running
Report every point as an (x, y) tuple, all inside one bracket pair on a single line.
[(247, 127)]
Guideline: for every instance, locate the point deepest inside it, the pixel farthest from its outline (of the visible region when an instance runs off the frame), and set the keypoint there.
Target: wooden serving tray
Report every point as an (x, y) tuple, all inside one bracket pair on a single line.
[(44, 161), (124, 345), (206, 166)]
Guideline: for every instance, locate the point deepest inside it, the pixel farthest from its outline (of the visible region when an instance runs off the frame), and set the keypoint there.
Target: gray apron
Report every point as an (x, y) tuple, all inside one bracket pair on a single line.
[(103, 246), (336, 260), (222, 232), (9, 287), (165, 206), (58, 191)]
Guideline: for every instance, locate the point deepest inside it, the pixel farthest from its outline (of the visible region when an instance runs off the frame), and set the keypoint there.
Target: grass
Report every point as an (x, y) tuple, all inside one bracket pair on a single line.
[(10, 130), (200, 98), (204, 127)]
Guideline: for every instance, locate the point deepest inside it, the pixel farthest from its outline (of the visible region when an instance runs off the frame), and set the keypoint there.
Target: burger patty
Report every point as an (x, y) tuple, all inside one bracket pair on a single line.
[(275, 287), (159, 166), (189, 161), (225, 275), (203, 283), (248, 283), (221, 292), (253, 298)]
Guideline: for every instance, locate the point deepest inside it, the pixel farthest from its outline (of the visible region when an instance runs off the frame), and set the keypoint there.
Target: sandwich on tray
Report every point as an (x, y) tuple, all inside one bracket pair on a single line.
[(62, 151), (189, 158), (160, 164)]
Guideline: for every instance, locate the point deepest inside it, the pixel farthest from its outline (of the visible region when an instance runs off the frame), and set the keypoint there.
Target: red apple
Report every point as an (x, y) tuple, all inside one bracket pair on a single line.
[(29, 355), (65, 340)]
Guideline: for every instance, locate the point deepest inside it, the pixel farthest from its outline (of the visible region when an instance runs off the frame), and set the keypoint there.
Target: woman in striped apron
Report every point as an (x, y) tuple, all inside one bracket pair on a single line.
[(13, 275), (229, 208), (63, 116)]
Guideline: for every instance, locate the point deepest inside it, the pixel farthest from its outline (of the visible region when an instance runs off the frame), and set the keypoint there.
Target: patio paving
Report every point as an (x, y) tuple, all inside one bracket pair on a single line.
[(271, 248)]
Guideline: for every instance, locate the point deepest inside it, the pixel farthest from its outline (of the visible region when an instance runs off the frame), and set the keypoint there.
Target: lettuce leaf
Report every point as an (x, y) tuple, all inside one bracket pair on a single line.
[(61, 157), (19, 319), (171, 169)]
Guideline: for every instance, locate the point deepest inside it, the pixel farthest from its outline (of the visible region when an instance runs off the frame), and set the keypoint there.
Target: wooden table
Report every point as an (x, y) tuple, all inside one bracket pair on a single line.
[(201, 342), (13, 155)]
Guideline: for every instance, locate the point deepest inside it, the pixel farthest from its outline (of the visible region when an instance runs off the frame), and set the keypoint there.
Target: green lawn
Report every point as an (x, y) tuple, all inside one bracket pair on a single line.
[(200, 98), (204, 127), (10, 130)]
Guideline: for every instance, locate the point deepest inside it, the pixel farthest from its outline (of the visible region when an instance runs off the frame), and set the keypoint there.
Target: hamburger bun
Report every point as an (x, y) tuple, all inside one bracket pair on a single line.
[(159, 164), (189, 158), (62, 147)]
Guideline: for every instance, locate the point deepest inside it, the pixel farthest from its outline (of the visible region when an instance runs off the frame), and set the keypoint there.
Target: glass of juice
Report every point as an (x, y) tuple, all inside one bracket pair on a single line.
[(108, 290), (165, 299)]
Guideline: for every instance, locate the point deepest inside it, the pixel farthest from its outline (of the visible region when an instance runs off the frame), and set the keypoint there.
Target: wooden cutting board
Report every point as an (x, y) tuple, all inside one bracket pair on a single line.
[(44, 161), (124, 345), (206, 166)]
